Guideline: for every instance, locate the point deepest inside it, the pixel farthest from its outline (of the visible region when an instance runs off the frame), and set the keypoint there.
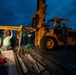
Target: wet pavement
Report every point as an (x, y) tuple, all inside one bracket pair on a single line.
[(64, 58), (3, 69)]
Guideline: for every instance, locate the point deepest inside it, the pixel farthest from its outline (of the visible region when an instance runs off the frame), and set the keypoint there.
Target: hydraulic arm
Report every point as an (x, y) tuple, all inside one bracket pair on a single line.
[(39, 21)]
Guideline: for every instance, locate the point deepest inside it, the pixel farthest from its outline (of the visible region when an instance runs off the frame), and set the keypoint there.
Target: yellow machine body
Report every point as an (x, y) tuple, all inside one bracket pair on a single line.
[(48, 39), (17, 28)]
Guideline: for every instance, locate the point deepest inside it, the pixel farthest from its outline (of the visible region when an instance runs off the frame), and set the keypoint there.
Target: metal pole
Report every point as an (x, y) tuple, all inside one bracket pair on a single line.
[(20, 41)]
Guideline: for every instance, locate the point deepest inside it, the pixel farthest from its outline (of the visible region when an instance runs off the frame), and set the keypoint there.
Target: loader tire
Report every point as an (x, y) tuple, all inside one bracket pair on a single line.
[(48, 43)]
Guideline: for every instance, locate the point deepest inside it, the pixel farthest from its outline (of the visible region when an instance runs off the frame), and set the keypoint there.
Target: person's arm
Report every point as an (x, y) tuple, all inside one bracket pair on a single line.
[(11, 35), (59, 28)]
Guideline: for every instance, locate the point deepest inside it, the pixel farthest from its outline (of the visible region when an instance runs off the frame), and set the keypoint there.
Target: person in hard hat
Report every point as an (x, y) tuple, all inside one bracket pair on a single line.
[(23, 37), (4, 34), (29, 35), (64, 35), (7, 40), (0, 41), (29, 40), (17, 38)]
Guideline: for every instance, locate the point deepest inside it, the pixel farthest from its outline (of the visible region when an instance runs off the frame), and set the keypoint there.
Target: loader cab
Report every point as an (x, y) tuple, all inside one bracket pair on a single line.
[(56, 24)]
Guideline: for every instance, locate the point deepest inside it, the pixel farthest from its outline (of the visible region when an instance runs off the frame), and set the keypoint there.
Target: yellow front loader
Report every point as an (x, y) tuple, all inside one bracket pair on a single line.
[(46, 38)]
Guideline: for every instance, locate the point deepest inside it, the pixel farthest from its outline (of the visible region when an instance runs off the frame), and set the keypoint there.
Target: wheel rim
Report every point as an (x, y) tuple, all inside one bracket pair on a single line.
[(49, 43)]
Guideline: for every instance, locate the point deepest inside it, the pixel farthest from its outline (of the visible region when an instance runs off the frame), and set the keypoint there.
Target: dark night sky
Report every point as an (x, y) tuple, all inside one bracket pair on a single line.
[(16, 12)]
